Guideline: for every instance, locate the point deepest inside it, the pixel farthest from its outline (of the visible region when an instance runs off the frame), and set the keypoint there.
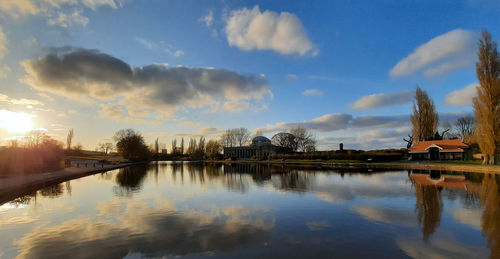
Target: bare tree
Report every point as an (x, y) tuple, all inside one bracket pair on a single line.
[(174, 146), (106, 147), (191, 147), (424, 119), (242, 136), (285, 139), (303, 138), (409, 141), (487, 102), (157, 147), (464, 126), (34, 139), (182, 146), (69, 139), (228, 138)]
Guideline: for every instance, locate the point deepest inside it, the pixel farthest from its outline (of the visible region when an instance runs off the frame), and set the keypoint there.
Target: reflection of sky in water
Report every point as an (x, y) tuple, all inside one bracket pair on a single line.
[(246, 211)]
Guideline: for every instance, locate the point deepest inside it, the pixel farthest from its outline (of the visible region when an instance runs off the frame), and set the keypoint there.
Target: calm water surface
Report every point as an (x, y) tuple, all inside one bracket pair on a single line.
[(249, 211)]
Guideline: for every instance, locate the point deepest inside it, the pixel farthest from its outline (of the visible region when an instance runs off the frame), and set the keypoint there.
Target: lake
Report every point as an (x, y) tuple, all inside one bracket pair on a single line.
[(168, 209)]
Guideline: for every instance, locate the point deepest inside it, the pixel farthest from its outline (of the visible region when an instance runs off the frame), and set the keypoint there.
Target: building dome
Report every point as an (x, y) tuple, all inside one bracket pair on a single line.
[(260, 141)]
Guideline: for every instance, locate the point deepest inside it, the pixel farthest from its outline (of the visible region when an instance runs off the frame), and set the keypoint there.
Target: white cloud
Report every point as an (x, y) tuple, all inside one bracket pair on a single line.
[(160, 46), (159, 89), (468, 216), (16, 8), (22, 101), (114, 112), (313, 92), (250, 29), (446, 52), (381, 100), (462, 97), (388, 215), (208, 19), (208, 131), (66, 20), (340, 121), (56, 11), (94, 4), (366, 139), (327, 122), (3, 43), (4, 71)]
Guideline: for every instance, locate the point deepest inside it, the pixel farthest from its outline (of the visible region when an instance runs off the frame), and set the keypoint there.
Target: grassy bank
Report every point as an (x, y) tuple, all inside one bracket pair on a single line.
[(17, 186)]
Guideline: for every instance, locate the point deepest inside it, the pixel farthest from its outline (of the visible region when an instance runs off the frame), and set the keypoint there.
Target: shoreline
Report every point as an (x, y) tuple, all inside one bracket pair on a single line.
[(12, 187), (381, 165)]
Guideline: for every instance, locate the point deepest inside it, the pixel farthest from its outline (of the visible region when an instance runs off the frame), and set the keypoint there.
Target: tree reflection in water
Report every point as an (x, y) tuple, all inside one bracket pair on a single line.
[(129, 179), (490, 201), (429, 207), (52, 191)]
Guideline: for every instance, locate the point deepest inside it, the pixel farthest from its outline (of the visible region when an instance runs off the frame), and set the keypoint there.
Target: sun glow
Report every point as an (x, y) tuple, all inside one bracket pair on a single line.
[(16, 122)]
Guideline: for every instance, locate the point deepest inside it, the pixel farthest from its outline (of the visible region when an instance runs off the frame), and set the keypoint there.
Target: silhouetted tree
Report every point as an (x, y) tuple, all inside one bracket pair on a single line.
[(409, 141), (106, 147), (69, 139), (157, 147), (174, 147), (181, 149), (465, 126), (303, 138), (213, 149), (228, 138), (242, 136), (487, 102), (285, 140), (130, 144)]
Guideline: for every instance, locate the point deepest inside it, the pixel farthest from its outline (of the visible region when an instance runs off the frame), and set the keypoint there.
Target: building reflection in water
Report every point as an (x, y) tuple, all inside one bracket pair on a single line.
[(432, 189), (474, 187)]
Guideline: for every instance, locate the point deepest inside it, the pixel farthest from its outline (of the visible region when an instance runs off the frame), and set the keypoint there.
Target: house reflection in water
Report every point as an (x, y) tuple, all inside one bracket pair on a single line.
[(429, 186)]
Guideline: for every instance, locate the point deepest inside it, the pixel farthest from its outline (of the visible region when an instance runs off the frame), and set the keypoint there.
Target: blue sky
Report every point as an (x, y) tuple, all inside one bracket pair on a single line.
[(346, 70)]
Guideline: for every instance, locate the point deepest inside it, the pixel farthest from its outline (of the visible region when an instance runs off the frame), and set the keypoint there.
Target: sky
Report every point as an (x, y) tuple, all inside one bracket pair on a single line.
[(346, 70)]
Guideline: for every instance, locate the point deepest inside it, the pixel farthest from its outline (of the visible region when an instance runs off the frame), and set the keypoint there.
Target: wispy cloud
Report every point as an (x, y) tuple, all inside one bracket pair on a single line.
[(462, 97), (208, 19), (160, 46), (64, 20), (313, 92), (250, 29), (3, 43), (446, 52), (23, 101), (382, 100)]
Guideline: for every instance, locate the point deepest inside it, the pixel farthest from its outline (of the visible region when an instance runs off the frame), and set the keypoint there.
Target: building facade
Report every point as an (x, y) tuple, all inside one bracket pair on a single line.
[(449, 149), (260, 148)]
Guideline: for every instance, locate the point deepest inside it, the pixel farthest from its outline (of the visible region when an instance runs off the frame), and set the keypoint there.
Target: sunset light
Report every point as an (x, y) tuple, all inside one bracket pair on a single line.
[(16, 122), (249, 129)]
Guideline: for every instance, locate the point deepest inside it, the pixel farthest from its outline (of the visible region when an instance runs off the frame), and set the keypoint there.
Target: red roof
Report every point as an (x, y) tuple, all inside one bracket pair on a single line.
[(447, 145), (453, 181)]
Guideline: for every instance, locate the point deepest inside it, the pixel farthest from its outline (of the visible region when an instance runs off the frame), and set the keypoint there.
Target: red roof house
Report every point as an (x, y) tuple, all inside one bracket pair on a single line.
[(448, 149)]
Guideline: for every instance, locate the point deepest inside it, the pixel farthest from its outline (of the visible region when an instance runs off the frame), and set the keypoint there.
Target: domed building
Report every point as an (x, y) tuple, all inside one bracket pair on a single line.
[(260, 148), (260, 141)]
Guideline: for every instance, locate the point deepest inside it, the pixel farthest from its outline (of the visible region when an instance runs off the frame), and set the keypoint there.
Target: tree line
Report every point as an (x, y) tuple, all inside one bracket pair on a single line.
[(484, 128)]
